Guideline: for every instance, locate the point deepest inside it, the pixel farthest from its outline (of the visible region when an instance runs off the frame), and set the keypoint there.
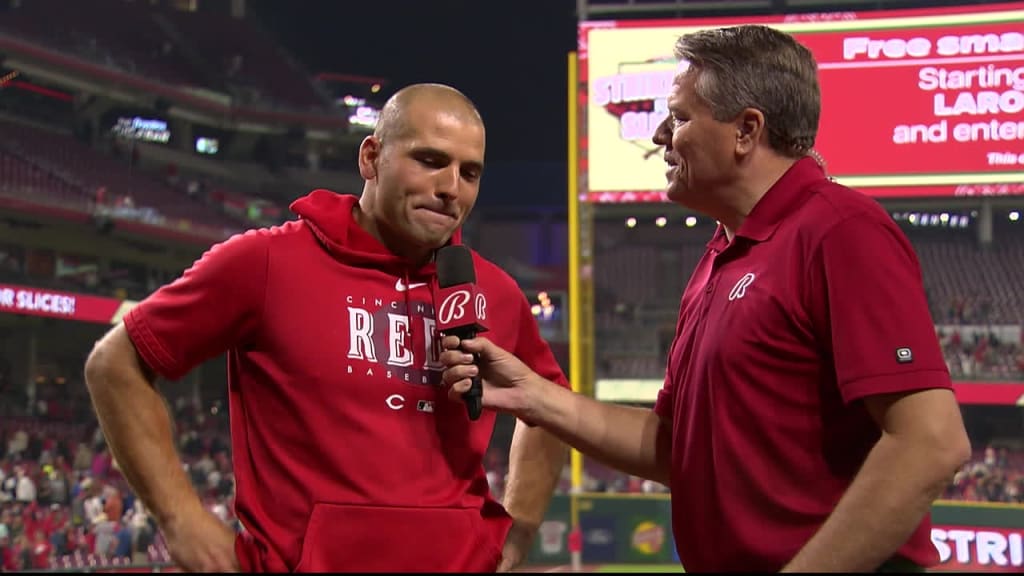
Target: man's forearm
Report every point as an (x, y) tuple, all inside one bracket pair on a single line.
[(883, 506), (626, 438), (536, 460), (137, 429)]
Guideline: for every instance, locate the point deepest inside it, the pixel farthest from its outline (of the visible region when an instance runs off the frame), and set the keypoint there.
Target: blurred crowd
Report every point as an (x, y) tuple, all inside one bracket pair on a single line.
[(982, 355), (65, 504), (995, 474)]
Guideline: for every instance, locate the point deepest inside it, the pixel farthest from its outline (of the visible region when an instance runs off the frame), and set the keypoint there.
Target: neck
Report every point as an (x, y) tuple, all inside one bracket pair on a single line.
[(746, 191), (365, 218)]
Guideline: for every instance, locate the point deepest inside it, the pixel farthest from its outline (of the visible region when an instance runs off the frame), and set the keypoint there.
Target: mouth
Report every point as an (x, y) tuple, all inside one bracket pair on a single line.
[(673, 170), (438, 214)]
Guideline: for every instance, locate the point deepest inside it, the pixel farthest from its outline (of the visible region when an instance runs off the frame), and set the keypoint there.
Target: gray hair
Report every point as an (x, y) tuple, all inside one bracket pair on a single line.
[(754, 66)]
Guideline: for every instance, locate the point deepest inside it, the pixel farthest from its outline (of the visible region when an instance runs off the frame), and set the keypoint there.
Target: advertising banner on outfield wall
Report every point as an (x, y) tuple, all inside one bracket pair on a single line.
[(636, 529), (56, 304), (914, 103), (978, 549)]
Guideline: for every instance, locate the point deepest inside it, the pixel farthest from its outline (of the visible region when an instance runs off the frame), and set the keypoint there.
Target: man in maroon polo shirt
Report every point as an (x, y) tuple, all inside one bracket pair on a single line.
[(807, 420)]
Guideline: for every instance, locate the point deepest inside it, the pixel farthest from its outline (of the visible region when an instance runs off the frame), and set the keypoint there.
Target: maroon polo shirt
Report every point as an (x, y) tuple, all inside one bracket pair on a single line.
[(817, 303)]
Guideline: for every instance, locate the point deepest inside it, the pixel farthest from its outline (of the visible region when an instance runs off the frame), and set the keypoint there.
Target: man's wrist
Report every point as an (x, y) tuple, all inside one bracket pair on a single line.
[(183, 514), (523, 532), (533, 391)]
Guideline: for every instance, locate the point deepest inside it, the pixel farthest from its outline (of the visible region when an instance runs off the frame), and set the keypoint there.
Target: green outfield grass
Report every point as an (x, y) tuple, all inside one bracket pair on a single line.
[(649, 568)]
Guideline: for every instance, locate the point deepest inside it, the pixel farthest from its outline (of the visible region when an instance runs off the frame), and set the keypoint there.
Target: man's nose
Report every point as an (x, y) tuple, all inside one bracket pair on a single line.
[(448, 181), (663, 133)]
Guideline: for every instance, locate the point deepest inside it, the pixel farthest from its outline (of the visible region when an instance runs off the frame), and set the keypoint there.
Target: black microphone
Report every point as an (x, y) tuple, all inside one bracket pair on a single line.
[(461, 310)]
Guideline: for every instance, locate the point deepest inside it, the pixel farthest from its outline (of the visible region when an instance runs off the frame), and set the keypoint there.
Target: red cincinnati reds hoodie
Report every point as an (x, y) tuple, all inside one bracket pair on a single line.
[(348, 455)]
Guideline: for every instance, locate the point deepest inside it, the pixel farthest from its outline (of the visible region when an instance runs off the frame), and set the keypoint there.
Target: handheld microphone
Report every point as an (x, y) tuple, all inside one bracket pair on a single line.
[(461, 310)]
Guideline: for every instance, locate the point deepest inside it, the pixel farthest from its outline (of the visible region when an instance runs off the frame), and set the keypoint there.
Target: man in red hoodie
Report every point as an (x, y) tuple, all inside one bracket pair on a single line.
[(348, 456)]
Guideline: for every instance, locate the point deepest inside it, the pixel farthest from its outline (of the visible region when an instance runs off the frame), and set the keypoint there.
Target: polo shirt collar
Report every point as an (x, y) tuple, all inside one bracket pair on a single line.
[(781, 200), (778, 202)]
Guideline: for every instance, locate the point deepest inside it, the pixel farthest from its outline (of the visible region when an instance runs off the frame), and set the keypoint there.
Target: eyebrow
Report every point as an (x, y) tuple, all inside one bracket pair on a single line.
[(431, 151)]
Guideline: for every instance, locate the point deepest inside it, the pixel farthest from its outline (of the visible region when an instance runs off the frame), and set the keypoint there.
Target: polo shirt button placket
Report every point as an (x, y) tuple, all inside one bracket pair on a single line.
[(709, 289)]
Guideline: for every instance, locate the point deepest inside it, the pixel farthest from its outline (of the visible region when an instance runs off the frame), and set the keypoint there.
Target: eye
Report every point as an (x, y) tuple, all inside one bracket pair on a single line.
[(678, 121), (431, 161), (470, 174)]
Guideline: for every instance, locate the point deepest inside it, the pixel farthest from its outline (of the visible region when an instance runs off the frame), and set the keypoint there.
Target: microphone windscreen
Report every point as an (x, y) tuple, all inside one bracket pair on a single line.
[(454, 266)]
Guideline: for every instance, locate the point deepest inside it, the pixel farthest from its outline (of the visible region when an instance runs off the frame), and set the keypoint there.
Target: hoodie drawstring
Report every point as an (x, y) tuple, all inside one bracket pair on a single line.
[(408, 312), (418, 338)]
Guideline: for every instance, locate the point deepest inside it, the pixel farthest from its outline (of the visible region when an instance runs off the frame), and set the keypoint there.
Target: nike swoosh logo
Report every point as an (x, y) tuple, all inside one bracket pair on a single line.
[(402, 287)]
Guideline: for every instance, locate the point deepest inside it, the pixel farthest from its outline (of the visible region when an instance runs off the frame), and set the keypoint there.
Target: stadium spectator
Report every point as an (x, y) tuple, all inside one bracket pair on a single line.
[(25, 487)]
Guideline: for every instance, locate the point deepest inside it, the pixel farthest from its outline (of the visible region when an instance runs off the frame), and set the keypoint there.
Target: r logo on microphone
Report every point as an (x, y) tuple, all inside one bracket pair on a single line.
[(481, 307)]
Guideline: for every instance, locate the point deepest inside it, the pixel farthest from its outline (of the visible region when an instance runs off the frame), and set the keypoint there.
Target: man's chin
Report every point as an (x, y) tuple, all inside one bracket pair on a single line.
[(686, 197), (434, 240), (677, 192)]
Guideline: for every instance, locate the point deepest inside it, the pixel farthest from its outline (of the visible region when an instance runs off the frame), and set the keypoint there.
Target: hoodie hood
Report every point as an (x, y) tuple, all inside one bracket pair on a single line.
[(329, 215)]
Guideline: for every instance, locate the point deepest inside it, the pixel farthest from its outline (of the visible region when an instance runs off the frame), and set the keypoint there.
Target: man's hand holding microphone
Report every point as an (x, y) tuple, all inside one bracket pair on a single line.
[(476, 370), (483, 375), (508, 383)]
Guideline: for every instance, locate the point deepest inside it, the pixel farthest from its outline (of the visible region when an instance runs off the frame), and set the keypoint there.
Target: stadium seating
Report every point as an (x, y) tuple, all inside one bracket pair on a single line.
[(983, 286), (113, 33), (243, 55), (21, 178), (87, 170), (143, 40), (640, 272)]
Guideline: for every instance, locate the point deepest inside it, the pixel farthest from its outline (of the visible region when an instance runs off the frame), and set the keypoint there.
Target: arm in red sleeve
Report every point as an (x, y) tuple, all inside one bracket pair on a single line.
[(866, 290), (215, 305)]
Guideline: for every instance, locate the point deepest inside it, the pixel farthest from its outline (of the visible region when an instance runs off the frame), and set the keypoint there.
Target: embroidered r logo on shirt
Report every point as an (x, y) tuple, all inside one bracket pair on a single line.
[(740, 289)]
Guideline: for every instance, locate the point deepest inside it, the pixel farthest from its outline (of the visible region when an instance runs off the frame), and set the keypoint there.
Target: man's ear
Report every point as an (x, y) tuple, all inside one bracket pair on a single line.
[(369, 157), (750, 128)]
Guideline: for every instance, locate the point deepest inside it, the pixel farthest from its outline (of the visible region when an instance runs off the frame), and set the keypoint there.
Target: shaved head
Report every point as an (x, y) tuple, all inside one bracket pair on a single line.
[(394, 121), (421, 169)]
